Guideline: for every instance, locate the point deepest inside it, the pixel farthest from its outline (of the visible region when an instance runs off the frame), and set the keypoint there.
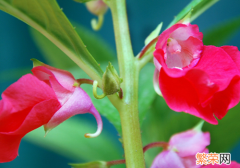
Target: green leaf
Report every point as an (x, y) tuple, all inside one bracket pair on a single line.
[(146, 91), (47, 17), (55, 57), (221, 33), (161, 123), (198, 6), (68, 140), (104, 106), (153, 34)]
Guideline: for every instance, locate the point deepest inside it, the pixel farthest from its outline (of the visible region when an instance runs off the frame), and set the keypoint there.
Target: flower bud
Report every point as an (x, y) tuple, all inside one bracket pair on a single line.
[(111, 80), (97, 7)]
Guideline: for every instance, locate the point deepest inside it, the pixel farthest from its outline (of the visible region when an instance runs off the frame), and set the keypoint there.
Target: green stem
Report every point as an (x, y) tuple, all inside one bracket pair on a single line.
[(129, 72), (144, 60)]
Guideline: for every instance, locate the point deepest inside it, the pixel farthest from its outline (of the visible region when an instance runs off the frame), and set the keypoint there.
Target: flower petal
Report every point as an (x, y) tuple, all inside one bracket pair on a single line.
[(64, 78), (190, 161), (156, 83), (224, 100), (183, 33), (78, 103), (159, 60), (167, 159), (234, 53), (162, 40), (218, 65), (189, 142), (185, 93), (39, 115), (188, 56), (63, 87), (23, 94)]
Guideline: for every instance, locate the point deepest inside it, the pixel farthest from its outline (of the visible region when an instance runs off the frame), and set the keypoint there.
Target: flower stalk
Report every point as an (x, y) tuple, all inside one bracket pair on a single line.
[(164, 145), (129, 72)]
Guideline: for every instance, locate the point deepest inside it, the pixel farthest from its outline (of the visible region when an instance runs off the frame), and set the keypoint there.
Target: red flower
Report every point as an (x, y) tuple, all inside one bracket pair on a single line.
[(197, 79), (48, 98)]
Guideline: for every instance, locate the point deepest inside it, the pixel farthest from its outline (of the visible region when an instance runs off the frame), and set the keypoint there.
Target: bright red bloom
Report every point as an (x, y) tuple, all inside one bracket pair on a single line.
[(182, 150), (232, 165), (197, 79), (48, 98)]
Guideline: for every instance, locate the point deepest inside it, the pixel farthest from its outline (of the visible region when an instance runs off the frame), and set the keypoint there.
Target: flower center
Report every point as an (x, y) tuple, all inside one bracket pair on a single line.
[(180, 54)]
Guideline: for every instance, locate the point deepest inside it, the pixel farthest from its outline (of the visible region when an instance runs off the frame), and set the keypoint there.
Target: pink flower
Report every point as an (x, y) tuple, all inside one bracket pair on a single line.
[(197, 79), (47, 98), (232, 165), (182, 150)]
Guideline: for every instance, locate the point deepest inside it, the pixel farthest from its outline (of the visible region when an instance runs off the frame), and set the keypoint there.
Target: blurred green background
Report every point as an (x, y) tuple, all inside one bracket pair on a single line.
[(66, 144)]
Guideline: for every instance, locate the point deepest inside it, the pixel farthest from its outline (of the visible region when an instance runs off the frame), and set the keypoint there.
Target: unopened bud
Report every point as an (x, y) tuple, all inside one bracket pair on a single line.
[(97, 7), (111, 80)]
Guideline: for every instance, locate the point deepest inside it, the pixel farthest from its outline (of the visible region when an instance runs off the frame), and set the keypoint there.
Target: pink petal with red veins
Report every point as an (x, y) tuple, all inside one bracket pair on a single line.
[(25, 93), (189, 142), (218, 65), (224, 100), (78, 103), (64, 78), (184, 93), (62, 93), (37, 116), (183, 33), (233, 53), (167, 159)]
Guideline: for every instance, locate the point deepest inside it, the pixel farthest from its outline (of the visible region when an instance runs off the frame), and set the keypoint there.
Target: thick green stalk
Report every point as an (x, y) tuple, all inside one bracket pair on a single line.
[(129, 72)]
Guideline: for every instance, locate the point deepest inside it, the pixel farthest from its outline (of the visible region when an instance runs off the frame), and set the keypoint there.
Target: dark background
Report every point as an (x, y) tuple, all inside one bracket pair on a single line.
[(17, 48)]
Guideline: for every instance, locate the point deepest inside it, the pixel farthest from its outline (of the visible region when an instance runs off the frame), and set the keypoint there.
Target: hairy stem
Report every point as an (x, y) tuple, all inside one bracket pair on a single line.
[(129, 72)]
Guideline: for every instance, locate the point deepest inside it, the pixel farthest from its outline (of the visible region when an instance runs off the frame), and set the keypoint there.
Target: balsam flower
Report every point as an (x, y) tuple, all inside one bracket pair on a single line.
[(182, 149), (47, 98), (197, 79)]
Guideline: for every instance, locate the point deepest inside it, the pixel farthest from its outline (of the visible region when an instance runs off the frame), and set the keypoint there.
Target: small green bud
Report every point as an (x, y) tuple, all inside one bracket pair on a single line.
[(111, 80), (96, 164)]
